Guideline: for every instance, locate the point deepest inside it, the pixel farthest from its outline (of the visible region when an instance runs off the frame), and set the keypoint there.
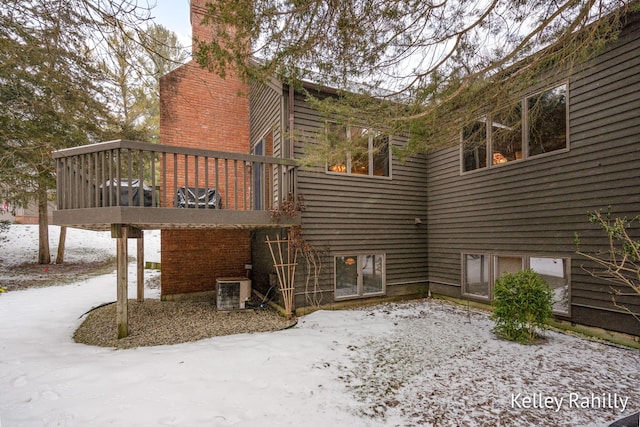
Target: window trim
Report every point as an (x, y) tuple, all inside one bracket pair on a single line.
[(372, 134), (524, 128), (360, 286), (526, 263)]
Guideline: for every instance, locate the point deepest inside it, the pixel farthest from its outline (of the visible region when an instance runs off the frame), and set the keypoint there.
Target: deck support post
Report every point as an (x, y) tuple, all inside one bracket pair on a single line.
[(122, 233), (122, 315), (140, 259)]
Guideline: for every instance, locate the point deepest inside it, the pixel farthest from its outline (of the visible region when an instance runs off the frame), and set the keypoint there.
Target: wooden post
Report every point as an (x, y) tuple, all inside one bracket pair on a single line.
[(140, 258), (61, 244), (122, 276), (122, 233)]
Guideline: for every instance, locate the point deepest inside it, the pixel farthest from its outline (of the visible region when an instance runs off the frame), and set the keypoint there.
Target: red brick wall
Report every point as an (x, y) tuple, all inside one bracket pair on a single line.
[(198, 109), (201, 110), (192, 260)]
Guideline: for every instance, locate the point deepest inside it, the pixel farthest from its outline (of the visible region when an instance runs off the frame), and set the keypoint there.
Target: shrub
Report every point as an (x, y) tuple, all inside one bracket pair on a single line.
[(523, 302)]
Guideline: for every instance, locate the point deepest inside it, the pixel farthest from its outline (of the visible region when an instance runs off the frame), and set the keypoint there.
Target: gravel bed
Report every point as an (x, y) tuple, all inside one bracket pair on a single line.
[(155, 322)]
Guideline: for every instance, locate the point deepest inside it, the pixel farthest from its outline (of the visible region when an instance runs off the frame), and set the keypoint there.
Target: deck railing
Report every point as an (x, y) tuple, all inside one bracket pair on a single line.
[(132, 173)]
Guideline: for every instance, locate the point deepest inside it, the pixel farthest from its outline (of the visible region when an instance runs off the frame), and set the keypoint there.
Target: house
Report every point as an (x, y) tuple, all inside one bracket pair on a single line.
[(517, 200), (364, 216), (454, 221), (376, 226), (364, 220), (27, 214)]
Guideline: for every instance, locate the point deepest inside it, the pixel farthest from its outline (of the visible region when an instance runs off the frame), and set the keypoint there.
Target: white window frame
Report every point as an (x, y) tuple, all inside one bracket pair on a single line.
[(360, 282)]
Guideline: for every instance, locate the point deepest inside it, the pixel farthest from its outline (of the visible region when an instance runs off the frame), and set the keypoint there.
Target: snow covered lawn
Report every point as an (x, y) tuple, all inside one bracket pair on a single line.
[(418, 363)]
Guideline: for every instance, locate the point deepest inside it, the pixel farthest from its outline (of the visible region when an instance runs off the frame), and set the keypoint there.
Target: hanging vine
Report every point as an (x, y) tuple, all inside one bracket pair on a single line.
[(290, 207), (313, 263)]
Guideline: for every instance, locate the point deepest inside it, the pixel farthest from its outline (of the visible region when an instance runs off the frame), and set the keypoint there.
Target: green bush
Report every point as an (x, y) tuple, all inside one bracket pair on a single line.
[(523, 302)]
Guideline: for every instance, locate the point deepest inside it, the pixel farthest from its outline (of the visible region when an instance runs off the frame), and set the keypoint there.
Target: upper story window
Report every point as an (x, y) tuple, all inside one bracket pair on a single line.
[(532, 127), (366, 153), (547, 121)]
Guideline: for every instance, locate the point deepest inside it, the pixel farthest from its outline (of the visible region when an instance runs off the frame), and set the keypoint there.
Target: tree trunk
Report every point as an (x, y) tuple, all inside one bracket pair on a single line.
[(44, 255), (61, 243)]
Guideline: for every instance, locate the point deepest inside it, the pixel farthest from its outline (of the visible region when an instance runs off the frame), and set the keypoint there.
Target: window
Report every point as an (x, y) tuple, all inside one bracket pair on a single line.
[(359, 275), (338, 155), (478, 278), (556, 272), (380, 154), (499, 138), (547, 121), (367, 151), (476, 275), (474, 147), (506, 264), (506, 135), (359, 150)]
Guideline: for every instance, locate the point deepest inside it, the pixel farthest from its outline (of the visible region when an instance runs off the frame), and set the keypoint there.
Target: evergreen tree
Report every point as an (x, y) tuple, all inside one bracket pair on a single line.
[(164, 53), (422, 68), (133, 63), (56, 94), (123, 67), (49, 96)]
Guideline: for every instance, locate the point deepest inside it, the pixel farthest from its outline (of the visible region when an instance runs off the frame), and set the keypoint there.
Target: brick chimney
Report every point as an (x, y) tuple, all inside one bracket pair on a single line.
[(199, 109), (198, 30), (202, 32)]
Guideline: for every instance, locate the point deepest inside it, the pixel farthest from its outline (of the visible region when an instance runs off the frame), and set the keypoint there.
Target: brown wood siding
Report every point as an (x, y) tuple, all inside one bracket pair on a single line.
[(536, 206), (364, 215), (265, 112), (265, 106)]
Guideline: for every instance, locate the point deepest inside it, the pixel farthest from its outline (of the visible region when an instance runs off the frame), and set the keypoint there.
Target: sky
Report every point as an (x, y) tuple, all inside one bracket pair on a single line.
[(174, 15)]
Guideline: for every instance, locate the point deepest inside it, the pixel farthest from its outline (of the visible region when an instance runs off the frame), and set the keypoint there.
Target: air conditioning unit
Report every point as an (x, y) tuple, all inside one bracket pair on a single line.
[(232, 292)]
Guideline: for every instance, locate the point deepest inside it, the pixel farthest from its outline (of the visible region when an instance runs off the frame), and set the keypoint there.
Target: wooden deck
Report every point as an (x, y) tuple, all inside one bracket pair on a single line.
[(99, 185), (100, 219), (130, 186)]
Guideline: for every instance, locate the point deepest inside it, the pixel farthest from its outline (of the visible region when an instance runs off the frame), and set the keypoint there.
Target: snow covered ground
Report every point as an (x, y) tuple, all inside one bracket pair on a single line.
[(418, 363)]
